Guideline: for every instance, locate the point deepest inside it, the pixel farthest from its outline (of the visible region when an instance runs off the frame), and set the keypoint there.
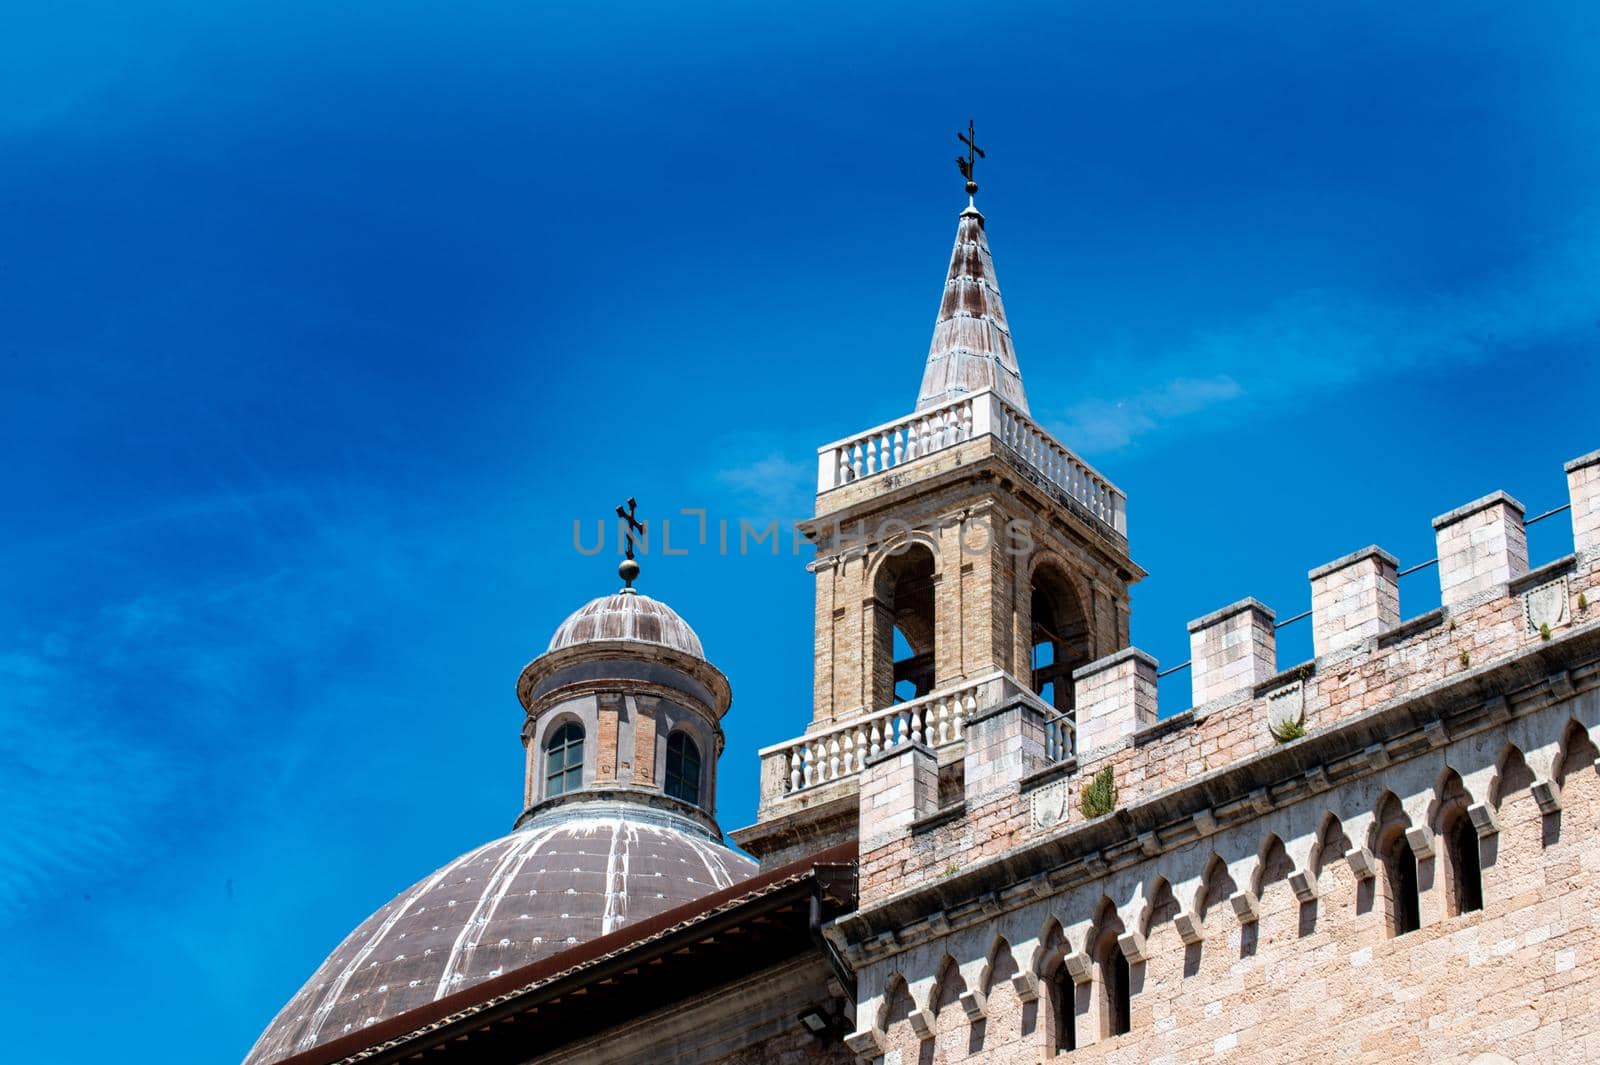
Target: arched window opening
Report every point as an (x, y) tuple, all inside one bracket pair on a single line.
[(1119, 997), (1114, 990), (1401, 866), (1064, 1008), (683, 768), (1466, 865), (1059, 638), (563, 760), (908, 681), (903, 627)]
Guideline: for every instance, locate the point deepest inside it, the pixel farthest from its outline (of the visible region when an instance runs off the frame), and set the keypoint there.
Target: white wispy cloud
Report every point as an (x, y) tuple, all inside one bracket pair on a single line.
[(1318, 340), (773, 485), (125, 720), (71, 791)]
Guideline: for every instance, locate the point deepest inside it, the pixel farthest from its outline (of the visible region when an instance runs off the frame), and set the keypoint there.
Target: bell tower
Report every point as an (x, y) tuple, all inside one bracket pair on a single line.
[(967, 563), (963, 540)]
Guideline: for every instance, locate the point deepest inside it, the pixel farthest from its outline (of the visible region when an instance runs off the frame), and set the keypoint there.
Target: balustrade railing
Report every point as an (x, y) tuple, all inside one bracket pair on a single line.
[(936, 720), (843, 749), (1060, 736), (896, 443)]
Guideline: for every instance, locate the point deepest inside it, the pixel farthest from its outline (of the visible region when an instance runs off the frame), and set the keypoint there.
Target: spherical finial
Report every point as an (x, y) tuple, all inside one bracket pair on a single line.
[(628, 570), (972, 188)]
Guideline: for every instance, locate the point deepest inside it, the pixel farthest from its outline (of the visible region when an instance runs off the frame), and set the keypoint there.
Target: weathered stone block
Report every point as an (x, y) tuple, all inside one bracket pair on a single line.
[(1482, 546), (898, 787), (1583, 489), (1353, 599), (1115, 696), (1231, 651)]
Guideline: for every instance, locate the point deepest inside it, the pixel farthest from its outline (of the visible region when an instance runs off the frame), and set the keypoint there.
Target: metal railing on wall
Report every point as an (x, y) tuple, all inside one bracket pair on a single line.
[(1403, 573)]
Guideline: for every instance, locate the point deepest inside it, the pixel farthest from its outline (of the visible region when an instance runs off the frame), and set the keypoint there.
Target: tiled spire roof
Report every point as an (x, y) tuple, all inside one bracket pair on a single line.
[(971, 348)]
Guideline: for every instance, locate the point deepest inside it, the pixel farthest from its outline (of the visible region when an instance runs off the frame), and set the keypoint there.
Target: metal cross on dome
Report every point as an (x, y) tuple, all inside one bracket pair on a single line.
[(974, 153), (634, 524)]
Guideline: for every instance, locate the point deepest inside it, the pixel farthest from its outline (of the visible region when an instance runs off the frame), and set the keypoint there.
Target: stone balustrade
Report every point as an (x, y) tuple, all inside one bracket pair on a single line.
[(894, 444), (935, 720)]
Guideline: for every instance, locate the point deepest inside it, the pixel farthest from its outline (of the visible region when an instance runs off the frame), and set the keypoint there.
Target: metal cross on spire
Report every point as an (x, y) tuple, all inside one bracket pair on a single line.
[(628, 570), (974, 153)]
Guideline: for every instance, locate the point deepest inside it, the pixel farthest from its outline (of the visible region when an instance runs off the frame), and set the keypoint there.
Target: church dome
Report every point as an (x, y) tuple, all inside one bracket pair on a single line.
[(570, 875), (627, 615)]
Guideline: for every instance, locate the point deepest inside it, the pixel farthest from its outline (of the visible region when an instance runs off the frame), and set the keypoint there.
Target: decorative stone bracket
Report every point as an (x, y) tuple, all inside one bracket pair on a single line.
[(1421, 839), (1189, 930), (1246, 906), (868, 1043), (1484, 819), (1304, 885), (1133, 945), (1079, 967), (974, 1004), (1547, 793), (1362, 863)]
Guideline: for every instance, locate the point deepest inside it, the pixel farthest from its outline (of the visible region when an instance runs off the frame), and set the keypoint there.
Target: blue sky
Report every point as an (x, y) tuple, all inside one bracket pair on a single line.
[(319, 328)]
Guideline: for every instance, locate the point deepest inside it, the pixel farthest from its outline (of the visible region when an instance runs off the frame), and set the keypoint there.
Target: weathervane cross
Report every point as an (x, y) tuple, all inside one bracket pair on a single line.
[(974, 153)]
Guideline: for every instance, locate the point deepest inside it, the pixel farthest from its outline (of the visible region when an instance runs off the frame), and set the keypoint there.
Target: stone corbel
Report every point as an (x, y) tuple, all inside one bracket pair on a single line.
[(1362, 863), (1304, 885), (1421, 839), (922, 1022), (1079, 967), (1132, 945), (1484, 819), (1547, 793), (1026, 985), (867, 1044), (1246, 906), (974, 1004), (1189, 930)]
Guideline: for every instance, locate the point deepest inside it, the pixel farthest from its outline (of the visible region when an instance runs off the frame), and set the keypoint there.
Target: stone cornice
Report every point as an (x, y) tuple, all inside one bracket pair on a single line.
[(1458, 706)]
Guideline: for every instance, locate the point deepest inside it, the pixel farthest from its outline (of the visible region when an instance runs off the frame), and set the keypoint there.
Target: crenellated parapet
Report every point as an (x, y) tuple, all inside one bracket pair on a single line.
[(1246, 705), (1292, 881), (1445, 793)]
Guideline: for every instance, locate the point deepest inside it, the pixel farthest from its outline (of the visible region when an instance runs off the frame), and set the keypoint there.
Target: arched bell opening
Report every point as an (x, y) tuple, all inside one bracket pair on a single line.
[(1059, 637), (903, 626)]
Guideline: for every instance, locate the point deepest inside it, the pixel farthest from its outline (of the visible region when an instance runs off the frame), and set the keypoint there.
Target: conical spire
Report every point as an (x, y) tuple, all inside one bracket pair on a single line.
[(971, 348)]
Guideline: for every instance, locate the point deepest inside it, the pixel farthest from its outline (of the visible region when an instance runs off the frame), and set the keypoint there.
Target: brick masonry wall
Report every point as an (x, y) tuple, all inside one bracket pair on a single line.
[(1413, 656), (982, 590), (1302, 981)]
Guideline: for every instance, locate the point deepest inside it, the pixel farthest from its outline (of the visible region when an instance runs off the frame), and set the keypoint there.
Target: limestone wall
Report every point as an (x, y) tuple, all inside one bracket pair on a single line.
[(1272, 939)]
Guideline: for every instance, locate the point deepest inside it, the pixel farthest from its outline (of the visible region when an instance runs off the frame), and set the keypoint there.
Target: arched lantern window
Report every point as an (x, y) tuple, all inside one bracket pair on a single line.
[(683, 768), (563, 760)]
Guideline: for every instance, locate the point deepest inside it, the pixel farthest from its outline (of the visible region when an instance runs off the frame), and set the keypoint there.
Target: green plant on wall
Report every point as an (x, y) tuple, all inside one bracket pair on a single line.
[(1544, 630), (1100, 795), (1287, 729)]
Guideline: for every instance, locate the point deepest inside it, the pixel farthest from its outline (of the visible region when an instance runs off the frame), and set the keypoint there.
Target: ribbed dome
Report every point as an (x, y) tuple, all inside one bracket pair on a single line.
[(627, 616), (567, 877)]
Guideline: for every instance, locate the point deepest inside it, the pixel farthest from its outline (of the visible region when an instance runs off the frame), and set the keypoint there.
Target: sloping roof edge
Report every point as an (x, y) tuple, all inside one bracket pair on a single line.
[(569, 966)]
